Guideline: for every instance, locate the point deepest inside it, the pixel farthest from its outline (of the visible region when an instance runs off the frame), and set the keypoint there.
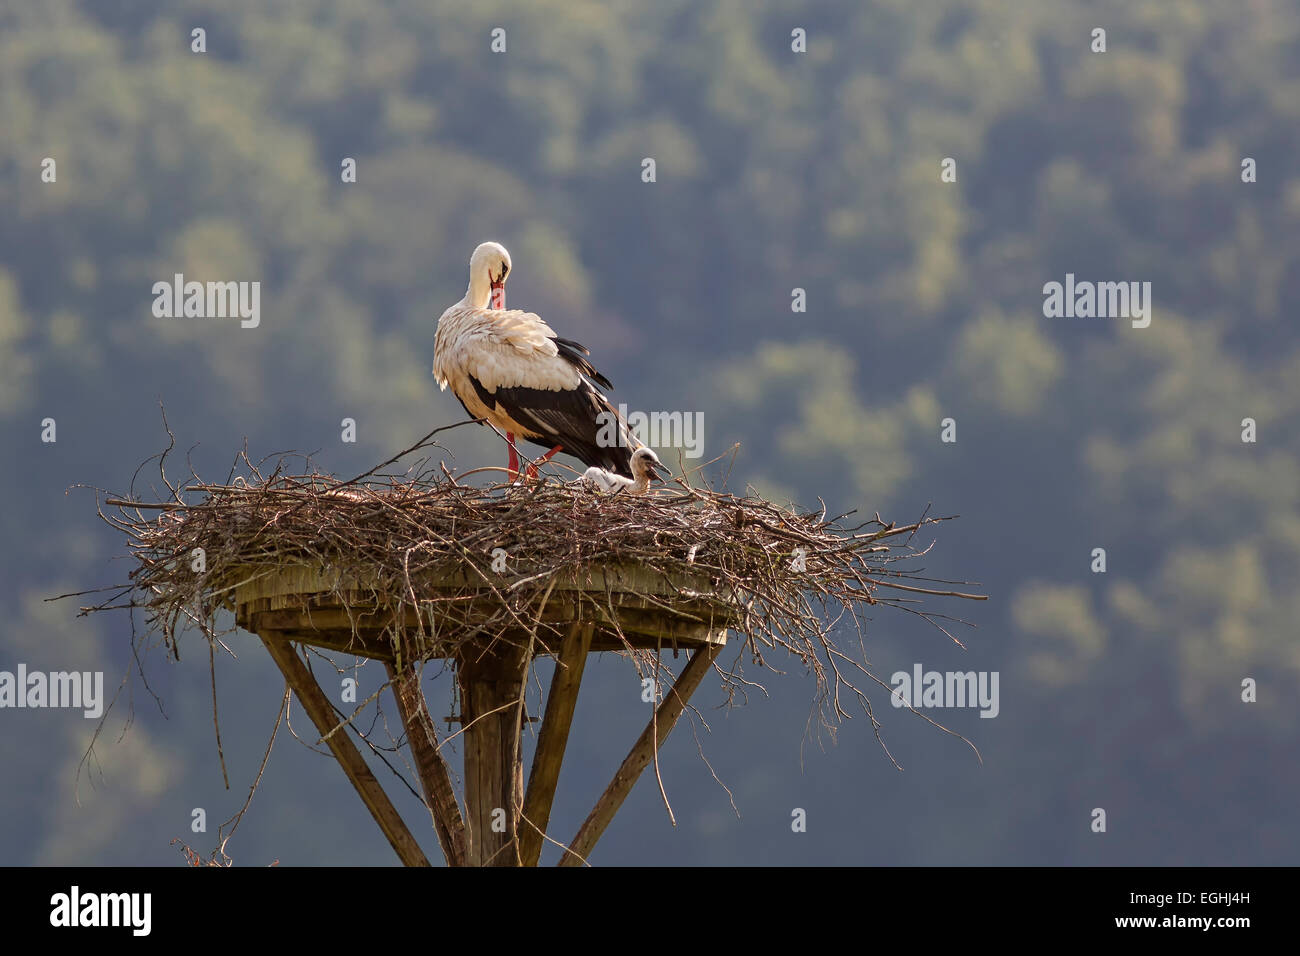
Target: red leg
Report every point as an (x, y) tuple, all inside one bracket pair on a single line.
[(532, 469)]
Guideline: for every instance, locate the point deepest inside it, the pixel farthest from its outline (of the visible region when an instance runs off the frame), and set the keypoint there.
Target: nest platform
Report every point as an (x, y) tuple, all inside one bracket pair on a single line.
[(408, 569), (629, 607)]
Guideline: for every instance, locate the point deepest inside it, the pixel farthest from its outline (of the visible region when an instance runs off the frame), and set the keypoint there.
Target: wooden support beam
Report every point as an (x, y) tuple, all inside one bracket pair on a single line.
[(554, 736), (491, 678), (439, 794), (318, 708), (641, 755)]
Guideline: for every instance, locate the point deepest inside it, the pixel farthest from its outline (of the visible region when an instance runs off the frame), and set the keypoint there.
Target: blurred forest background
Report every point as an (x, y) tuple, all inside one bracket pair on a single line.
[(775, 170)]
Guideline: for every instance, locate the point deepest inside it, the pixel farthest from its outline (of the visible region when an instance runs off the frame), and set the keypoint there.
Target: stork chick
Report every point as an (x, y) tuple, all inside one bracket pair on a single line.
[(645, 468)]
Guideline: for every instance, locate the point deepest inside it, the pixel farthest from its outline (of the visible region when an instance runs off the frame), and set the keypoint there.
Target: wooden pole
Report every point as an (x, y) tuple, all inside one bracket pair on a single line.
[(491, 678), (439, 794), (551, 742), (642, 753), (318, 708)]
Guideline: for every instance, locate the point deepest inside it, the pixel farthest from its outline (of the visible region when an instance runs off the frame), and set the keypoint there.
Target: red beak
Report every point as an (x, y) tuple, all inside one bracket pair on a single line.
[(498, 295)]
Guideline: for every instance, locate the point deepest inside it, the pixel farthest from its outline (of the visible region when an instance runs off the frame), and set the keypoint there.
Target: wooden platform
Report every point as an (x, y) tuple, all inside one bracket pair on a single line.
[(461, 616), (654, 610)]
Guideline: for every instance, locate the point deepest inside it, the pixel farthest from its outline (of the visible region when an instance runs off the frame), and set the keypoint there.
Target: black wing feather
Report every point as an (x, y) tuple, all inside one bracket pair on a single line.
[(575, 354), (570, 418)]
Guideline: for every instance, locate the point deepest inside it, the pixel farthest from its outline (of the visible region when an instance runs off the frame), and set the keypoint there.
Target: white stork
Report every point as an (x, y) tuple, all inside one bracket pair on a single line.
[(645, 465), (510, 368)]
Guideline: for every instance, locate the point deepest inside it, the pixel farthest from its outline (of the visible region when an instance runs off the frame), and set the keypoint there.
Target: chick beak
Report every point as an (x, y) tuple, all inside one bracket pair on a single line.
[(499, 294), (658, 472)]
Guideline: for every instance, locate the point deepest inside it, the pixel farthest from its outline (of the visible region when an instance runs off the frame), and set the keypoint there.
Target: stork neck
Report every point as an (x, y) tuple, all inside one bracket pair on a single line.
[(479, 293)]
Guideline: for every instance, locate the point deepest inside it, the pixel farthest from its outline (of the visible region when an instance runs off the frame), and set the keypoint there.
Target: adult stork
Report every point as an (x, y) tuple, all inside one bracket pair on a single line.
[(510, 368)]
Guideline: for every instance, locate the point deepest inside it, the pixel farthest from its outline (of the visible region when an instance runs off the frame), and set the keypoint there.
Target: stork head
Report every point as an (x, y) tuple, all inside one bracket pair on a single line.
[(646, 464), (488, 268)]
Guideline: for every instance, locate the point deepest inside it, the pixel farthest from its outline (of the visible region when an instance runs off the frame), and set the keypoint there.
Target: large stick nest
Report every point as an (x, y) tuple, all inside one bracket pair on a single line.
[(788, 580)]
